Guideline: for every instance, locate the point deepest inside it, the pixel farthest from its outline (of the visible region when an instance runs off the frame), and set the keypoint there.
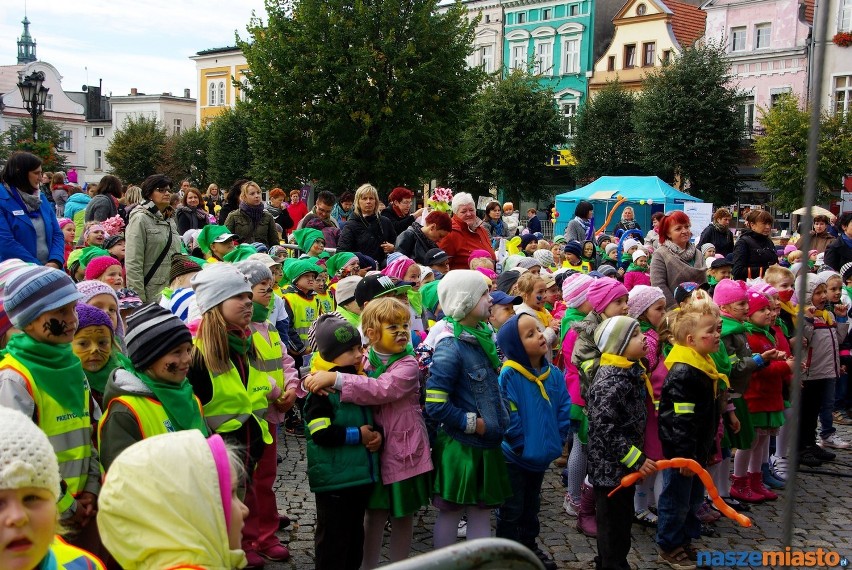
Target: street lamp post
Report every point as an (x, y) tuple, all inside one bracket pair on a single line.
[(34, 94)]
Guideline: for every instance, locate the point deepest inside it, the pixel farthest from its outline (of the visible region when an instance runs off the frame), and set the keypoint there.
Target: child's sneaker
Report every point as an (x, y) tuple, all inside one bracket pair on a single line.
[(645, 518), (768, 479), (461, 532), (571, 508), (677, 559), (707, 515), (778, 466), (820, 453), (834, 441)]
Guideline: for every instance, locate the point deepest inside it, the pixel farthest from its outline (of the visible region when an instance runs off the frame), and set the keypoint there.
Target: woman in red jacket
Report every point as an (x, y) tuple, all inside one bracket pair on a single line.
[(468, 233)]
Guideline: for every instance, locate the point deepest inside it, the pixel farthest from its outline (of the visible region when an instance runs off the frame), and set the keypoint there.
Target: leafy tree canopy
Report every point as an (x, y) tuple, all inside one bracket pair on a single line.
[(228, 153), (20, 137), (137, 149), (185, 156)]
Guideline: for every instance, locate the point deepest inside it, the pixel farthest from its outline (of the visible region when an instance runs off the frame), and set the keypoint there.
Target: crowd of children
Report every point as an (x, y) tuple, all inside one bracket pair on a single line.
[(412, 385)]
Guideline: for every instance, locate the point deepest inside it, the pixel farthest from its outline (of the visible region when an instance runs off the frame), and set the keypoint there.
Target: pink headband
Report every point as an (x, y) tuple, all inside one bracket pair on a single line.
[(223, 470)]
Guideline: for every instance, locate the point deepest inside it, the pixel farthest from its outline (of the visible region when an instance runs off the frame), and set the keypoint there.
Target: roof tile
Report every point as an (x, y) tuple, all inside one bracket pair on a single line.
[(687, 22)]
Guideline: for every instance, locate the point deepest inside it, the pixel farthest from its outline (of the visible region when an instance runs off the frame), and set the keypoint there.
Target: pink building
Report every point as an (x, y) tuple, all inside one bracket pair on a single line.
[(767, 45)]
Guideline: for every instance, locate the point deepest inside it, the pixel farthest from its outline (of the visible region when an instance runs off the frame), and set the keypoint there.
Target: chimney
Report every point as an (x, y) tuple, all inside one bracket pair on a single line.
[(186, 93), (133, 92)]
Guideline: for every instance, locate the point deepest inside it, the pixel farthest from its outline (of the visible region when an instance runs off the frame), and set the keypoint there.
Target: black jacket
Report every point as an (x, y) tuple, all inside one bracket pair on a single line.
[(838, 254), (686, 433), (281, 217), (722, 240), (414, 243), (366, 235), (399, 223), (753, 253), (186, 219)]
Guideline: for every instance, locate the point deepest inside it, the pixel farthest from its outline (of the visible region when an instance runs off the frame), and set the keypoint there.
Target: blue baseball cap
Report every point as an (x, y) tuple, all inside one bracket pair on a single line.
[(500, 298)]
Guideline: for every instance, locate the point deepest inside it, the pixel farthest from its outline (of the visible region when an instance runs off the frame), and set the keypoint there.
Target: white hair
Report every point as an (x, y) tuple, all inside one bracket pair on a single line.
[(460, 200)]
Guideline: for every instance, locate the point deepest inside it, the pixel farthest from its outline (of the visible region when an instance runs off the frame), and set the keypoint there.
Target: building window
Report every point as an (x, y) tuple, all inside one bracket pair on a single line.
[(48, 104), (571, 56), (211, 99), (574, 10), (776, 93), (97, 131), (738, 39), (243, 92), (519, 56), (487, 18), (544, 57), (648, 51), (763, 34), (630, 56), (842, 94), (844, 19), (546, 13), (66, 137), (747, 110), (569, 111), (221, 93), (178, 124), (641, 10), (99, 160), (488, 58), (667, 56), (522, 18), (610, 63)]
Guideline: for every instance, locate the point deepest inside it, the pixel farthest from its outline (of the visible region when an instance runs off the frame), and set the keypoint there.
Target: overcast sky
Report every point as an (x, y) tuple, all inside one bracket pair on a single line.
[(127, 43)]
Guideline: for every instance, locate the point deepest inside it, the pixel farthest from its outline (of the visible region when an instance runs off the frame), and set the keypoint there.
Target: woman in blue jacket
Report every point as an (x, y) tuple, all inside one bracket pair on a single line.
[(29, 229)]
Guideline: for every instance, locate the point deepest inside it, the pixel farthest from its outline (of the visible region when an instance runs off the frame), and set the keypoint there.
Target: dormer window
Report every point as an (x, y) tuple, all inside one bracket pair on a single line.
[(641, 10)]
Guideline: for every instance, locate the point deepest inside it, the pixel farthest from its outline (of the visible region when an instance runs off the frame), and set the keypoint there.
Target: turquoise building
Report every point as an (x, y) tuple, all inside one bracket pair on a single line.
[(555, 38)]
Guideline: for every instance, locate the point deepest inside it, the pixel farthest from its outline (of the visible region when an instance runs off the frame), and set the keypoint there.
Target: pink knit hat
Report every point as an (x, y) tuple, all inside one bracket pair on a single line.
[(729, 291), (477, 253), (763, 288), (99, 265), (398, 267), (756, 301), (641, 298), (604, 291), (488, 273), (574, 289), (790, 248), (64, 222)]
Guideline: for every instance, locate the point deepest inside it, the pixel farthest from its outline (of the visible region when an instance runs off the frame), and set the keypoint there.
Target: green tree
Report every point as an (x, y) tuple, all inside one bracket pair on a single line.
[(347, 92), (688, 123), (782, 152), (137, 149), (228, 154), (20, 137), (185, 156), (605, 142), (513, 130)]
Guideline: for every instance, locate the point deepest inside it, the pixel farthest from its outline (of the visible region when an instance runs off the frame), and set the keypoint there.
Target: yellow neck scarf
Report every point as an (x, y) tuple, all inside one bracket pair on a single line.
[(529, 375), (619, 361), (686, 355), (318, 364)]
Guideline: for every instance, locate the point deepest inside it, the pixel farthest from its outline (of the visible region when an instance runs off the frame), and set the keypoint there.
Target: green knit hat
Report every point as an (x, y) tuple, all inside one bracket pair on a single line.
[(91, 252), (306, 237), (429, 294), (295, 268), (338, 261), (239, 253), (213, 234)]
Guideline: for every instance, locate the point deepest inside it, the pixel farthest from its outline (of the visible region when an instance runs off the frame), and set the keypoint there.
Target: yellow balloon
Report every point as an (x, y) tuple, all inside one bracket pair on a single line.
[(641, 202)]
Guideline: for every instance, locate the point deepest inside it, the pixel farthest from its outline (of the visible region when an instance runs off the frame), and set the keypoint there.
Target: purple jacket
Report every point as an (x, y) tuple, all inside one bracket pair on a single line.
[(395, 397)]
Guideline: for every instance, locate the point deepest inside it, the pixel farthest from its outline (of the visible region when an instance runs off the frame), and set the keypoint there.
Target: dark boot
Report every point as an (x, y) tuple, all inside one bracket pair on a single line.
[(586, 522)]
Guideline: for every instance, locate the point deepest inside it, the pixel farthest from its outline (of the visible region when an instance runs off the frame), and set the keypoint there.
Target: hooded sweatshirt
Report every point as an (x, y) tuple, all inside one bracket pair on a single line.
[(185, 526)]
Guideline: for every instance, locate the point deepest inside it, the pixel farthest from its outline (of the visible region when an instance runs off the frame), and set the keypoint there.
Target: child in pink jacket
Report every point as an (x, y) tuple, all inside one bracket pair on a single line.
[(637, 271), (394, 392)]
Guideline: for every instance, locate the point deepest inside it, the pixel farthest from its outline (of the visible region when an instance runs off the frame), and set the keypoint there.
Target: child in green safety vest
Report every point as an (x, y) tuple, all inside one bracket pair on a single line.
[(42, 377), (342, 448), (150, 395)]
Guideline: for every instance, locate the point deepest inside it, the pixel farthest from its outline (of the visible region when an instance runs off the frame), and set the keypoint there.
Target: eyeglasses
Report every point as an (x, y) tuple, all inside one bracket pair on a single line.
[(166, 190)]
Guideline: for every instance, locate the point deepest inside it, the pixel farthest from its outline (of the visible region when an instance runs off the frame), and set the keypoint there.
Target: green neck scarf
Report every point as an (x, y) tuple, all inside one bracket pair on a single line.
[(98, 380), (55, 368), (259, 313), (178, 401), (731, 326), (645, 326), (779, 322), (571, 315), (239, 343), (416, 301), (483, 334), (640, 268), (379, 367), (626, 256), (712, 280), (765, 331)]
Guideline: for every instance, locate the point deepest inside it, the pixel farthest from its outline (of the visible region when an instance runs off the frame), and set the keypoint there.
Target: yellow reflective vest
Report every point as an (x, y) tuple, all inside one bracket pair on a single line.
[(70, 557), (234, 403), (305, 312), (70, 436), (269, 354), (150, 415)]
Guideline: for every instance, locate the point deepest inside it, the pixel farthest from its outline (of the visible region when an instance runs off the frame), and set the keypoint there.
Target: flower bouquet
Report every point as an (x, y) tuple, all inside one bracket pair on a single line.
[(440, 200), (113, 226)]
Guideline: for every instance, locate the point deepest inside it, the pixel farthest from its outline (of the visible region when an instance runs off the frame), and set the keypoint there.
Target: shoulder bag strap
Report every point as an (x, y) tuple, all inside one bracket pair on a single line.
[(160, 258)]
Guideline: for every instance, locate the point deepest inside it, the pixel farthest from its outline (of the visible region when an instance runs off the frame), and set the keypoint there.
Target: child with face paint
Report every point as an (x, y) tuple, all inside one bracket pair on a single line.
[(29, 489), (311, 241), (42, 377), (199, 524), (94, 234), (106, 269), (105, 298), (539, 423), (532, 289), (150, 394), (394, 393), (93, 344), (271, 356), (470, 470)]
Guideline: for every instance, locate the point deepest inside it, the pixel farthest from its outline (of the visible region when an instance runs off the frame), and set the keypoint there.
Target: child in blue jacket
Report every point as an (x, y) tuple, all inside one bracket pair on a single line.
[(539, 423)]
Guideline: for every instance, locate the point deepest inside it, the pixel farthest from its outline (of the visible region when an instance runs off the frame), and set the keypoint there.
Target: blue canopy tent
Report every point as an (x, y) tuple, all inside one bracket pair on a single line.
[(645, 194)]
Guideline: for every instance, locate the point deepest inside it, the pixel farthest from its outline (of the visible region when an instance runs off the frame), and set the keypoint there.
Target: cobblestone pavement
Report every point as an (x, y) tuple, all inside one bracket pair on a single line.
[(822, 518)]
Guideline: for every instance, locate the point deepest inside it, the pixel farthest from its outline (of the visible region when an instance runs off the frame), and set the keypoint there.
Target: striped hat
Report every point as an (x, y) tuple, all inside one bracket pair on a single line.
[(33, 291), (574, 289), (613, 335), (153, 332)]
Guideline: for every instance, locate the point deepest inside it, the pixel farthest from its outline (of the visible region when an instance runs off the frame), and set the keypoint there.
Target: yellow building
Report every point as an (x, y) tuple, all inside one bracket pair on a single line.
[(216, 71), (647, 34)]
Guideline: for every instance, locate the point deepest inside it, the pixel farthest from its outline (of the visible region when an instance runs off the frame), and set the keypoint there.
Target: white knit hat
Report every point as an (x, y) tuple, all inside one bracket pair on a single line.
[(629, 242), (216, 283), (639, 253), (26, 457), (460, 290)]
